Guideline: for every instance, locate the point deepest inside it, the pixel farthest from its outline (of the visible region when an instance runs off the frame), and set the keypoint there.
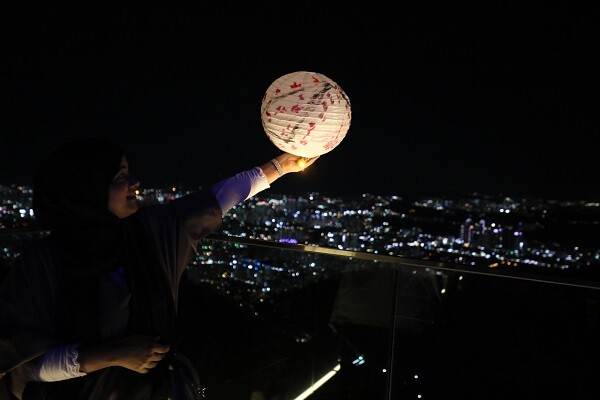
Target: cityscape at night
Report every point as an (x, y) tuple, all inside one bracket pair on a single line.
[(476, 231)]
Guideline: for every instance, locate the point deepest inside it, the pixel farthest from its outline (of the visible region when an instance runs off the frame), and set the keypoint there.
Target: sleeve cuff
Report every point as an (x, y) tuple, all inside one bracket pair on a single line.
[(58, 364)]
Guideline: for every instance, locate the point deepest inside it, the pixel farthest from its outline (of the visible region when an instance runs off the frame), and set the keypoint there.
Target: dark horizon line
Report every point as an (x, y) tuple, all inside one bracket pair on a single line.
[(410, 195)]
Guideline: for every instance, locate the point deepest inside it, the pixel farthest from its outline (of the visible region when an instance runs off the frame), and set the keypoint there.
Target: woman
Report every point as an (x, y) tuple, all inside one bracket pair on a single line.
[(88, 311)]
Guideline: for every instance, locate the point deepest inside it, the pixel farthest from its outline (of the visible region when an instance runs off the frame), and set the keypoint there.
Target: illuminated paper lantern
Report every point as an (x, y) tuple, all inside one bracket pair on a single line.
[(305, 113)]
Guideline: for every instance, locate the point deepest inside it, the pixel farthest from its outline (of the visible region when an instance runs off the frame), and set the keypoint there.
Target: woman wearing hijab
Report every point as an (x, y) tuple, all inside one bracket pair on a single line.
[(88, 311)]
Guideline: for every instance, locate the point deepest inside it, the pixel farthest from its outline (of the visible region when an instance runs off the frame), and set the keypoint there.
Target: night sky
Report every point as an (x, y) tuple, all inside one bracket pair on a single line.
[(445, 100)]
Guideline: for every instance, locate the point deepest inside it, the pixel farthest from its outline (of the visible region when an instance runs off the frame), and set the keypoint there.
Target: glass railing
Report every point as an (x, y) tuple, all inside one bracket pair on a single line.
[(385, 327), (268, 320)]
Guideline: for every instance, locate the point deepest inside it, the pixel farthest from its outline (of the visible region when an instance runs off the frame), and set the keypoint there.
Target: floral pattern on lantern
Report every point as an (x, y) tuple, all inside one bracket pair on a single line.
[(305, 113)]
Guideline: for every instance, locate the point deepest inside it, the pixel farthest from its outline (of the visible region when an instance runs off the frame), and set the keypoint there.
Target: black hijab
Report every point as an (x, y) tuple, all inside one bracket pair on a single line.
[(70, 198)]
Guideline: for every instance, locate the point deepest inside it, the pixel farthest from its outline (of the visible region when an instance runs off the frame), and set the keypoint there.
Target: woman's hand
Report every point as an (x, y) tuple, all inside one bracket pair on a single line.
[(137, 353), (285, 163), (292, 163)]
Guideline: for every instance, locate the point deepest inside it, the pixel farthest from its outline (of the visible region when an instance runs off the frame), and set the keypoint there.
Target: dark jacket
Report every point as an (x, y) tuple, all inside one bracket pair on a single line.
[(28, 294)]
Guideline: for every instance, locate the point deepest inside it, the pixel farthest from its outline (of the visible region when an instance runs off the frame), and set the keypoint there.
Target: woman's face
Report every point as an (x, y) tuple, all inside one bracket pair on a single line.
[(122, 199)]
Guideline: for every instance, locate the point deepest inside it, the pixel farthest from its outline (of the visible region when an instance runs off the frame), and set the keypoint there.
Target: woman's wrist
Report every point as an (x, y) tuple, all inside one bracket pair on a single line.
[(277, 166), (284, 164), (94, 357), (271, 171)]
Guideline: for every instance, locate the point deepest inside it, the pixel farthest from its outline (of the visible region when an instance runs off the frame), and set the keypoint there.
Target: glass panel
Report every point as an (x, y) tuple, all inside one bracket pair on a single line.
[(468, 336), (272, 321)]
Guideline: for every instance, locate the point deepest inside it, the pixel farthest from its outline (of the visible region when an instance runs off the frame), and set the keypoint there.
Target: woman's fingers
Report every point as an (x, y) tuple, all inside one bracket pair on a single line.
[(141, 353)]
